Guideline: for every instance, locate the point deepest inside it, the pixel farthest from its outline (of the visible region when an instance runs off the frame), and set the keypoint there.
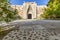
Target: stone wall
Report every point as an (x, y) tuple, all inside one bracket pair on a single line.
[(36, 10)]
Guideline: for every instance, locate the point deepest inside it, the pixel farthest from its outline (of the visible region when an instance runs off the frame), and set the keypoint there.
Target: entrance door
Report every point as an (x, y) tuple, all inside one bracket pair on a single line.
[(29, 16)]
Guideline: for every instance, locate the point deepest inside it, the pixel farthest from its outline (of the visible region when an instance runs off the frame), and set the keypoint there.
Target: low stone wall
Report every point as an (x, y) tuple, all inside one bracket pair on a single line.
[(33, 30)]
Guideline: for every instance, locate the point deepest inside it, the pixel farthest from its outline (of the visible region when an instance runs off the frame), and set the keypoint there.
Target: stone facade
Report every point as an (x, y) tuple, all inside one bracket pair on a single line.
[(29, 10)]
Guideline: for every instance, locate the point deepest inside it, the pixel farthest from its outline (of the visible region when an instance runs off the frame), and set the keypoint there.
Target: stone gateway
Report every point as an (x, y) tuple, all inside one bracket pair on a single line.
[(29, 10)]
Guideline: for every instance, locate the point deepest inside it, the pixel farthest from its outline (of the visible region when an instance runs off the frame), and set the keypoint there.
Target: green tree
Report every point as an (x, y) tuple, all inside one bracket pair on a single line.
[(53, 10), (6, 12)]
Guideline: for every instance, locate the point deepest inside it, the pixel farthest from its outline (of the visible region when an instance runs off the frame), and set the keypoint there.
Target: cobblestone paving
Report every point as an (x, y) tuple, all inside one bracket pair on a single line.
[(32, 32)]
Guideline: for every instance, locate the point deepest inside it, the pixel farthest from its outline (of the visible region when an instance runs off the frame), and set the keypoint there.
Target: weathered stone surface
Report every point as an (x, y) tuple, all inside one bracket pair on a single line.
[(34, 30), (31, 33)]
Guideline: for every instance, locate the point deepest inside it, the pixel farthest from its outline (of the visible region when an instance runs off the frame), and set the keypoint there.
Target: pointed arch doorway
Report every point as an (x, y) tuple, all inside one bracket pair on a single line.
[(29, 16)]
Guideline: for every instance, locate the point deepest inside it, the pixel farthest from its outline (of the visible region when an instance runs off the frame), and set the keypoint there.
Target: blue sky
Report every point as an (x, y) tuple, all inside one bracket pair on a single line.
[(20, 2)]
